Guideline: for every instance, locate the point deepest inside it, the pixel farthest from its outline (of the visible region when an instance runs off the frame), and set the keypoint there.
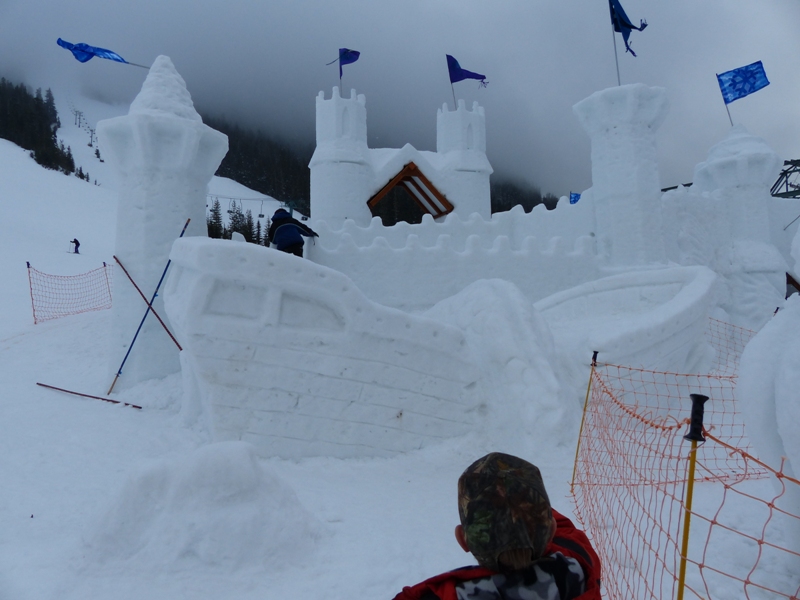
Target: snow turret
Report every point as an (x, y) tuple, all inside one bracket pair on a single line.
[(622, 123), (743, 167), (341, 174), (164, 157), (461, 139)]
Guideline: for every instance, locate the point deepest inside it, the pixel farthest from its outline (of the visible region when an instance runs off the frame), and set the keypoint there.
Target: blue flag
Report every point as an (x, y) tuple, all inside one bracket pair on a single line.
[(622, 24), (742, 82), (574, 197), (84, 52), (459, 74), (346, 57)]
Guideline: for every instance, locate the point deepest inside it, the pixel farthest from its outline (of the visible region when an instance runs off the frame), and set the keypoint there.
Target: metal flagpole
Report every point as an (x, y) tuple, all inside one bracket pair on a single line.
[(616, 58), (455, 105), (729, 113)]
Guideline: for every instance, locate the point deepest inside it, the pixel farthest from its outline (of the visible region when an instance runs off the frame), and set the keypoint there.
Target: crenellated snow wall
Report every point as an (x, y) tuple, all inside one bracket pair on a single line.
[(413, 267)]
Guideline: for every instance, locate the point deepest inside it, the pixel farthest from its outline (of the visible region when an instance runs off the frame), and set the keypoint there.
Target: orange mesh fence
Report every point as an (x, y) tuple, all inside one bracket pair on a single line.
[(630, 484), (728, 342), (54, 296)]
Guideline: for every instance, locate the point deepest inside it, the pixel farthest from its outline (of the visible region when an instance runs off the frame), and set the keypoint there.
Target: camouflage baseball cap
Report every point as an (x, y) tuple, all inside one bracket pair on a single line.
[(503, 505)]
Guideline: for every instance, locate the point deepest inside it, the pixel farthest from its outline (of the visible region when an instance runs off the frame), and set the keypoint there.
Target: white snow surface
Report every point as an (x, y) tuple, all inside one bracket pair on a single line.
[(164, 93)]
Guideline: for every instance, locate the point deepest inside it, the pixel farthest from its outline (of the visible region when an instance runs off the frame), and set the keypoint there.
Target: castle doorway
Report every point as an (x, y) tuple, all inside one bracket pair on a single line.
[(407, 197)]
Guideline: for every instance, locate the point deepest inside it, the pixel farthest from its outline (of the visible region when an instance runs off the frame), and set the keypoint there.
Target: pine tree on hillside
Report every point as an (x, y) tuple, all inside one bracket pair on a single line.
[(236, 221), (216, 227), (250, 226), (31, 121)]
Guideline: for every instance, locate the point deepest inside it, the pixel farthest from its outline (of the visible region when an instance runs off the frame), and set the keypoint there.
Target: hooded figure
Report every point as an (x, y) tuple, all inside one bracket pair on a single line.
[(287, 233)]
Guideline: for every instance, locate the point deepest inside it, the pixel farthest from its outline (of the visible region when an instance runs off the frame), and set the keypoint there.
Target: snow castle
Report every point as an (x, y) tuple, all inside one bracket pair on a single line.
[(368, 346), (346, 175)]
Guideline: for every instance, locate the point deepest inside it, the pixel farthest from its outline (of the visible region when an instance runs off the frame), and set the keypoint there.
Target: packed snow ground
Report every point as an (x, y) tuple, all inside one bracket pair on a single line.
[(104, 501)]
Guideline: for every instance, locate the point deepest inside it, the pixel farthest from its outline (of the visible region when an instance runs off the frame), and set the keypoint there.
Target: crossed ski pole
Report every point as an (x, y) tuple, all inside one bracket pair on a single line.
[(147, 312)]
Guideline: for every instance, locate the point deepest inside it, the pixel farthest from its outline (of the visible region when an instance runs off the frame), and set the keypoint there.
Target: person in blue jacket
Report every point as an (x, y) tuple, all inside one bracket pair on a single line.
[(287, 233)]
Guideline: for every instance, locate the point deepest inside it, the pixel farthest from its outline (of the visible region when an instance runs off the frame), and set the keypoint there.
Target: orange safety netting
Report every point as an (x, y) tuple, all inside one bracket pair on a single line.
[(630, 485), (54, 296)]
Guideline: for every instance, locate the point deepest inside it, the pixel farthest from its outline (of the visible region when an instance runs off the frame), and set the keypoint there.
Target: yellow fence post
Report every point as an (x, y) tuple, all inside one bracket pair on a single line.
[(695, 435)]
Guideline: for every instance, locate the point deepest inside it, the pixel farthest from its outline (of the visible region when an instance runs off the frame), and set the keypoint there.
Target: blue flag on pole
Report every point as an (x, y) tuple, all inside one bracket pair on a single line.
[(742, 82), (574, 197), (346, 57), (622, 24), (459, 74), (84, 52)]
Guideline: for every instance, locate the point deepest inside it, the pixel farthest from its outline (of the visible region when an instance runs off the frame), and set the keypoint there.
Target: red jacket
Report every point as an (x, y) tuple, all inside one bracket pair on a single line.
[(568, 540)]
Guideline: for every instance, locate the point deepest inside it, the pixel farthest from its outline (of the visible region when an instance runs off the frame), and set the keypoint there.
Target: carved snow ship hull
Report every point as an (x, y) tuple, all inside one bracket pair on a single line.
[(292, 357), (653, 319)]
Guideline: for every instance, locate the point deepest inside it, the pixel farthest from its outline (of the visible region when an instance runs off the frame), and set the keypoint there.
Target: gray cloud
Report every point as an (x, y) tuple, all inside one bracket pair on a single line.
[(263, 63)]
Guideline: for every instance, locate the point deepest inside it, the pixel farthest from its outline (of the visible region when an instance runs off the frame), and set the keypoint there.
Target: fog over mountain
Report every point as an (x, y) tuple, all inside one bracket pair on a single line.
[(262, 64)]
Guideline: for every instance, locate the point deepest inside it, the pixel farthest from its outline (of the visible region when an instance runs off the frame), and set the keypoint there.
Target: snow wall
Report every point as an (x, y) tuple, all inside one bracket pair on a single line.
[(414, 266)]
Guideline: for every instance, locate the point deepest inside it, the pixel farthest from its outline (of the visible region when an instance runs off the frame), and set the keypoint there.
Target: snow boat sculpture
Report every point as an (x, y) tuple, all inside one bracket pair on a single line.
[(290, 356), (645, 318)]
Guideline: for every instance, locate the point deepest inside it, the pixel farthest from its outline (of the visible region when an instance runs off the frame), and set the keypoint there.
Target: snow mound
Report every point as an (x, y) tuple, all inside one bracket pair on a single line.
[(164, 93), (217, 507), (769, 376), (513, 346)]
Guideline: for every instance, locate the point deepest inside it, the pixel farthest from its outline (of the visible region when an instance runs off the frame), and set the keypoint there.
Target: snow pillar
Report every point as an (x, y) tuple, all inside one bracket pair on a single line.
[(342, 180), (622, 123), (737, 177), (461, 139), (164, 157)]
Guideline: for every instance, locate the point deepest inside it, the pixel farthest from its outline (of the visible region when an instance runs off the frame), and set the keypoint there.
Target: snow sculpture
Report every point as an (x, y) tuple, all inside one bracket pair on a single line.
[(291, 357), (164, 157), (769, 376), (346, 174), (217, 507), (622, 123), (341, 174), (461, 140), (723, 222)]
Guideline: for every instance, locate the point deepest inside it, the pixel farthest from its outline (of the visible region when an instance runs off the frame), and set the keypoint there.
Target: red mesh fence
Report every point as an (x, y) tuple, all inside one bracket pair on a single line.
[(54, 296), (630, 485)]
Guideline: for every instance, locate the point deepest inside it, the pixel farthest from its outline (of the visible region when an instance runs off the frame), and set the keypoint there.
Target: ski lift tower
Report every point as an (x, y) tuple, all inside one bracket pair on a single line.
[(788, 183)]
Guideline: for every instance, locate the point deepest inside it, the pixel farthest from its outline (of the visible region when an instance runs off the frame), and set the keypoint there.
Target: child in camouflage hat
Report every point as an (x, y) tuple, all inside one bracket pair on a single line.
[(525, 549)]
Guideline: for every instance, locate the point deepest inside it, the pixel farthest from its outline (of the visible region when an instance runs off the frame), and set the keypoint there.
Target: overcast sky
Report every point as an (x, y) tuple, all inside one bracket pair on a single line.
[(262, 62)]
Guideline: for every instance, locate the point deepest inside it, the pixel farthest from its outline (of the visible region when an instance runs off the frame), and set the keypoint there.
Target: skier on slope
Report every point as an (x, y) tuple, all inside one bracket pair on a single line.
[(525, 549), (287, 233), (77, 245)]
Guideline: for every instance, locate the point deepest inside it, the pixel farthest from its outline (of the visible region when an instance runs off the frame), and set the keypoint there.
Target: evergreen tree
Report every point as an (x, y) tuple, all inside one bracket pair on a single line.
[(257, 239), (31, 121), (216, 227), (250, 227), (236, 221)]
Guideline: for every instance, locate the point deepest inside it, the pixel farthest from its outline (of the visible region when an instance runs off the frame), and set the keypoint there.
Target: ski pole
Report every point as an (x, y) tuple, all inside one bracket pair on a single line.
[(147, 312), (155, 314), (58, 389)]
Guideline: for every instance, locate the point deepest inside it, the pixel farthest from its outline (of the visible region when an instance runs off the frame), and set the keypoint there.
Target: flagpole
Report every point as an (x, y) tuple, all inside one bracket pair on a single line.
[(729, 114), (728, 110), (616, 58), (455, 106)]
